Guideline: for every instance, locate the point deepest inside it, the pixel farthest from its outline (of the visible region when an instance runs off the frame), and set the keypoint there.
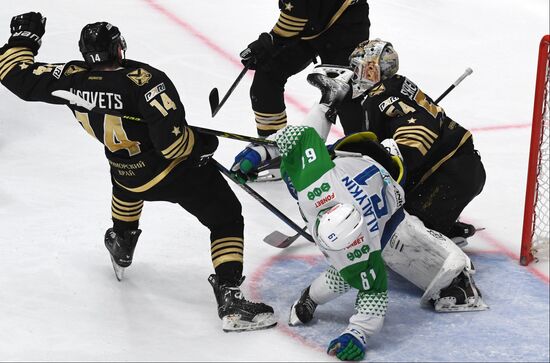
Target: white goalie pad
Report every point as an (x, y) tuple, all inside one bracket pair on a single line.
[(425, 257)]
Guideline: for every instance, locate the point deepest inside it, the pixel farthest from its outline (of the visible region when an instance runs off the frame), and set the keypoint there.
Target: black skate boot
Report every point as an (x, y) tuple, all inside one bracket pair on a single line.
[(461, 295), (121, 249), (302, 310), (460, 232), (237, 313)]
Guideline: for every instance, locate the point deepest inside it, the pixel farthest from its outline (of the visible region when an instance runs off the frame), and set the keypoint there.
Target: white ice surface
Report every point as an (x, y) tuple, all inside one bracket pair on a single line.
[(59, 299)]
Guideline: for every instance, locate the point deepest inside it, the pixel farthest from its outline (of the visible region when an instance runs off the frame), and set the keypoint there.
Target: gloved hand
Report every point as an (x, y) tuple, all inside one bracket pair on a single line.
[(347, 347), (205, 146), (27, 31), (258, 52), (248, 161), (334, 83)]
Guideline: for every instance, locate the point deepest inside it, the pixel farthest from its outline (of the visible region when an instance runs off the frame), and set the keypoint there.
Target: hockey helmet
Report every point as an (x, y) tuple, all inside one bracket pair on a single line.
[(338, 227), (372, 61), (101, 43)]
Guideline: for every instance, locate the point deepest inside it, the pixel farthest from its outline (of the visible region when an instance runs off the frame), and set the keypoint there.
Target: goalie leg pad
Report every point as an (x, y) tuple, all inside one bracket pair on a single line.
[(425, 257)]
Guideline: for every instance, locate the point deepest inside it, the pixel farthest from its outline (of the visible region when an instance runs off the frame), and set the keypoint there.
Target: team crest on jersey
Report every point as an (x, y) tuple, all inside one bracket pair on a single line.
[(377, 90), (139, 76), (72, 69)]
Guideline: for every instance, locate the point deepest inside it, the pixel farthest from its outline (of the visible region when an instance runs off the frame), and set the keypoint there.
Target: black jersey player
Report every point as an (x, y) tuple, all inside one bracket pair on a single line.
[(330, 29), (160, 159), (444, 171)]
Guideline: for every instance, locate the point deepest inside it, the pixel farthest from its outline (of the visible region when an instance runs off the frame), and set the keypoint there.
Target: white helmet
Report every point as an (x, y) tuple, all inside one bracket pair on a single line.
[(338, 227), (372, 61)]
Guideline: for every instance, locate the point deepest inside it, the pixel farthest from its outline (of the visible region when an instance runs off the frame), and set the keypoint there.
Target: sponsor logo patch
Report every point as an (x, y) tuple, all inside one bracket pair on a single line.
[(155, 92), (383, 105), (58, 71)]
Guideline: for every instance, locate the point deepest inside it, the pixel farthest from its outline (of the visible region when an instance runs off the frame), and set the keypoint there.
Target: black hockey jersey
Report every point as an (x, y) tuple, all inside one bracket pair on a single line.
[(140, 154), (396, 108), (309, 19)]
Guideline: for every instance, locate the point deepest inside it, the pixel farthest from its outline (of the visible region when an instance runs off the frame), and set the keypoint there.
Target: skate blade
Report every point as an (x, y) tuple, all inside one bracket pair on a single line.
[(460, 241), (448, 306), (119, 271), (293, 319), (233, 323), (268, 176)]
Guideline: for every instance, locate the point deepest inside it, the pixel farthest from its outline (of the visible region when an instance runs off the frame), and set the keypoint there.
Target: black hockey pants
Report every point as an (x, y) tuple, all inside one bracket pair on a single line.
[(439, 201), (203, 192)]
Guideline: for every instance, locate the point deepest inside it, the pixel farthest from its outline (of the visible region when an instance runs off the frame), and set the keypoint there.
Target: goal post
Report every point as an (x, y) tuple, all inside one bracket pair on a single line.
[(536, 218)]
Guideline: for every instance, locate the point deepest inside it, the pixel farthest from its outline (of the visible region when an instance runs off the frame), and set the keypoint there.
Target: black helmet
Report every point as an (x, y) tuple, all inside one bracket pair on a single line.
[(99, 43)]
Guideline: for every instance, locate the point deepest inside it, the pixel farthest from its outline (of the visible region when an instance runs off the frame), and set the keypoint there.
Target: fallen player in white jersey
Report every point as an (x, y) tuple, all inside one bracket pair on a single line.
[(353, 205)]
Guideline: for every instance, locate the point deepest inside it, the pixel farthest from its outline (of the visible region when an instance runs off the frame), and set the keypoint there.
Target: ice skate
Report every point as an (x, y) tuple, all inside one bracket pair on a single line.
[(460, 232), (461, 295), (270, 171), (302, 310), (237, 313), (121, 249)]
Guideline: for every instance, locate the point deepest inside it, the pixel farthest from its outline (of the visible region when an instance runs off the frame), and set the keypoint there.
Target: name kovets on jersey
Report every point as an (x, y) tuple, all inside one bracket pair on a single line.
[(104, 100)]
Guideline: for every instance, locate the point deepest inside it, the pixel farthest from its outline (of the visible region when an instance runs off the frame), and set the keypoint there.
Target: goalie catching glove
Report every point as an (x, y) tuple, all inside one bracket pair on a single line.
[(248, 161)]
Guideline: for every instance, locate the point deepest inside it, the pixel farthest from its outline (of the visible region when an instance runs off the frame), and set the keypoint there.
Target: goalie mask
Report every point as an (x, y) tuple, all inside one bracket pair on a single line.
[(338, 227), (101, 43), (372, 61)]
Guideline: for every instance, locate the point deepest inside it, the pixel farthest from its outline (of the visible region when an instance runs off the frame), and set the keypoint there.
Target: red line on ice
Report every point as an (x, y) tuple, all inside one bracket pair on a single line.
[(209, 43)]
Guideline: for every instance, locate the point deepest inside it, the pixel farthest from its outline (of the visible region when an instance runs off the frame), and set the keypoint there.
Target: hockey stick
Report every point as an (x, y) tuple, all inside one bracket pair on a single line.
[(214, 97), (264, 202), (466, 73), (281, 240), (81, 102)]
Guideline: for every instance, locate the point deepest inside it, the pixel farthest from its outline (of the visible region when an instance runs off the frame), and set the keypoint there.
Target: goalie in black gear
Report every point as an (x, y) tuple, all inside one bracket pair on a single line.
[(444, 171), (160, 159)]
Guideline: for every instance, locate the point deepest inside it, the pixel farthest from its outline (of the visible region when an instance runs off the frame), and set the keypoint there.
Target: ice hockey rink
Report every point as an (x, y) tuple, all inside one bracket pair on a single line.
[(59, 299)]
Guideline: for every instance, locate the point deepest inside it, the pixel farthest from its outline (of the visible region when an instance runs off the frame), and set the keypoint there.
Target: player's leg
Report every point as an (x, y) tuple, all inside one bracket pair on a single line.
[(441, 199), (326, 287), (121, 239), (268, 86), (435, 264), (205, 194)]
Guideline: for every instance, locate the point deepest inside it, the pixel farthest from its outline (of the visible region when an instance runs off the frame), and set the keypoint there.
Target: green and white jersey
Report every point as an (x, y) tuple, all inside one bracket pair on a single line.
[(321, 183)]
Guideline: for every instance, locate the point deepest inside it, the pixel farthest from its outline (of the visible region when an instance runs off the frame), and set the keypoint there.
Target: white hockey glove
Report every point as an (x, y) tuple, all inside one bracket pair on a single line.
[(333, 82), (248, 161)]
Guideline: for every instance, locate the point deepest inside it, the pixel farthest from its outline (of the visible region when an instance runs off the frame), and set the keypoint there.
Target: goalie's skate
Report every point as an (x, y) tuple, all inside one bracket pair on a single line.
[(121, 249), (237, 313), (461, 295), (460, 232)]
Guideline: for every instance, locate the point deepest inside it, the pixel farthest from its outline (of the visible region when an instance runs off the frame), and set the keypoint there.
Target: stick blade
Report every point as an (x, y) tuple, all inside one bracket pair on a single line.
[(279, 239), (214, 99)]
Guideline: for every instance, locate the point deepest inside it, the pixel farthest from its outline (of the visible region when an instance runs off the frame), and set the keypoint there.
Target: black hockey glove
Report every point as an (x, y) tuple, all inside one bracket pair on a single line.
[(258, 52), (205, 146), (27, 31)]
